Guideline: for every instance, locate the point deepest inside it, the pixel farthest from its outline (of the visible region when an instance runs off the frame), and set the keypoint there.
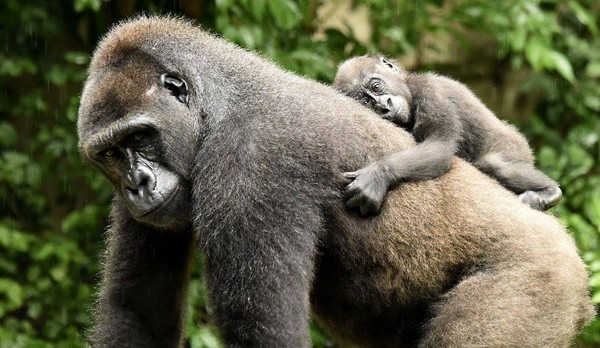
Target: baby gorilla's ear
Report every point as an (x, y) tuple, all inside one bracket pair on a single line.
[(389, 65)]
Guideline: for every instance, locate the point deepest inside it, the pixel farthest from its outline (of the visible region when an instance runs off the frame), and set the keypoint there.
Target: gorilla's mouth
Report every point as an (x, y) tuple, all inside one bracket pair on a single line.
[(390, 115), (165, 202), (147, 204), (399, 115)]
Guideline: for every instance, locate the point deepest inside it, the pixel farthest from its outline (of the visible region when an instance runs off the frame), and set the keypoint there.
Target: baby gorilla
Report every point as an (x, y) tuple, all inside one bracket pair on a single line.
[(446, 119)]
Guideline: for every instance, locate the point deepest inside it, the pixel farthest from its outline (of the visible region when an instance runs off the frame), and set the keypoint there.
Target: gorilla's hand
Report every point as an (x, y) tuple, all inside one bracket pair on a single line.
[(367, 189)]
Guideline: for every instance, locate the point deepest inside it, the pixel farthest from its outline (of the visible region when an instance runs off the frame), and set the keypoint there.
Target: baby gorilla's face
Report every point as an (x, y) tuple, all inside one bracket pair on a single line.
[(377, 84)]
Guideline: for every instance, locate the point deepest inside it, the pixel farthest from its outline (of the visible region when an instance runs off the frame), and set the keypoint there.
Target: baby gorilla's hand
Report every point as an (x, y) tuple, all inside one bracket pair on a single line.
[(367, 189)]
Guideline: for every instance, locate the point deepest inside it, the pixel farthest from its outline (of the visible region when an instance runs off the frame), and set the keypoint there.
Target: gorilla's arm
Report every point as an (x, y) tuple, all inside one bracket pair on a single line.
[(259, 289), (144, 282), (259, 240)]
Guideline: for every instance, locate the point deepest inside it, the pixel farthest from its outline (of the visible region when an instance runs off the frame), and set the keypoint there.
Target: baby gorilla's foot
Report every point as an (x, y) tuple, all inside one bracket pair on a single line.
[(543, 199)]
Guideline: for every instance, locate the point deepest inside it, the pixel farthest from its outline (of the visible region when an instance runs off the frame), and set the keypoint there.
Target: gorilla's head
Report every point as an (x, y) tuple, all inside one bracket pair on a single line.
[(136, 127), (378, 84)]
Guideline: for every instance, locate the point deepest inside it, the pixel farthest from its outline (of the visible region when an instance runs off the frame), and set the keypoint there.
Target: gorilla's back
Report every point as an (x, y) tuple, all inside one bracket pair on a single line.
[(401, 265)]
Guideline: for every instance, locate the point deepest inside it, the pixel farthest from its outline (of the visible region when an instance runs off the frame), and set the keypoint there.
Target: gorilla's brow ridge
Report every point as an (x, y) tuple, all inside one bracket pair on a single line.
[(119, 130)]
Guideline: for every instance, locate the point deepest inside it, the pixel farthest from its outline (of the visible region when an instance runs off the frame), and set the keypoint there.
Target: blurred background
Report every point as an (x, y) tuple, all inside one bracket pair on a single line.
[(536, 63)]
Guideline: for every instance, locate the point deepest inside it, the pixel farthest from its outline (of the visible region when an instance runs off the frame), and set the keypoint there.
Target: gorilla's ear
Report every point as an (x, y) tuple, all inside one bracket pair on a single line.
[(176, 85), (389, 65)]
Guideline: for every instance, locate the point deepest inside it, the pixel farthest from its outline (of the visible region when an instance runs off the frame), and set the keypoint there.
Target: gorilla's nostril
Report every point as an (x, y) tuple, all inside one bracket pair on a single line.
[(389, 102), (380, 108)]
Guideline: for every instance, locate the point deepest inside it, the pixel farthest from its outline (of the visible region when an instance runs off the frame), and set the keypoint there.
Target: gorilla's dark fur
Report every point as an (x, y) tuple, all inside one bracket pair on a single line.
[(257, 154)]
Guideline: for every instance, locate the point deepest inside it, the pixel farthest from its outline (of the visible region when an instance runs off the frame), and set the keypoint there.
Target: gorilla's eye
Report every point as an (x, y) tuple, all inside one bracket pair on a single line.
[(108, 153), (377, 87), (176, 85), (139, 136)]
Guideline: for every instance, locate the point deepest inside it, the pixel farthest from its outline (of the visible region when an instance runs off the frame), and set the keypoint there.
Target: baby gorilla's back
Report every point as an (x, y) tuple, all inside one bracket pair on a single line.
[(447, 119)]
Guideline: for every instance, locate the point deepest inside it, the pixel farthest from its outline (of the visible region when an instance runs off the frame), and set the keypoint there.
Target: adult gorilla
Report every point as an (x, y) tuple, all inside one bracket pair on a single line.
[(202, 139)]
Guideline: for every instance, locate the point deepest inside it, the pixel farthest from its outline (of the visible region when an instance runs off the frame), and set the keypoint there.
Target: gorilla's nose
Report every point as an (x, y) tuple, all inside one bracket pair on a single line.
[(139, 179), (381, 109)]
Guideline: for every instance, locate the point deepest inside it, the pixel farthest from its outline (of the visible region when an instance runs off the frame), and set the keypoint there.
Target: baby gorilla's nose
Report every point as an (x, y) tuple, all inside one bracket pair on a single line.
[(389, 103), (382, 109)]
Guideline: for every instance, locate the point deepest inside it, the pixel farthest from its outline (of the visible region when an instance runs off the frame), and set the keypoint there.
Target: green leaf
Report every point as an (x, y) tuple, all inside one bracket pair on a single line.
[(249, 37), (44, 252), (205, 337), (16, 67), (580, 161), (14, 240), (81, 220), (8, 134), (82, 5), (592, 101), (592, 209), (13, 296), (57, 75), (285, 12), (517, 39), (593, 69), (78, 58), (595, 281), (556, 60), (59, 272), (584, 16), (534, 51), (257, 7), (224, 5)]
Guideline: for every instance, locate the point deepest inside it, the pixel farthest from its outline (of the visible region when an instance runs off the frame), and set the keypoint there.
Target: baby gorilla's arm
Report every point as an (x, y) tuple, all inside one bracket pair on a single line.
[(370, 184), (436, 128)]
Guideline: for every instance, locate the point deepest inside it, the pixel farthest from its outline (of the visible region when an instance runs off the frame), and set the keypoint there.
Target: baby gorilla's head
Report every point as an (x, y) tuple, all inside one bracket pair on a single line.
[(378, 84)]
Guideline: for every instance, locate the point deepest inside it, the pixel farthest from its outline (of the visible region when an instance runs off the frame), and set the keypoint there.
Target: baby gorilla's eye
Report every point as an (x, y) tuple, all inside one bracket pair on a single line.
[(377, 87)]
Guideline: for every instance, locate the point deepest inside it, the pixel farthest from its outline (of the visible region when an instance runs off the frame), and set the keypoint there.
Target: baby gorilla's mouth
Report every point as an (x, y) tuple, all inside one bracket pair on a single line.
[(389, 115)]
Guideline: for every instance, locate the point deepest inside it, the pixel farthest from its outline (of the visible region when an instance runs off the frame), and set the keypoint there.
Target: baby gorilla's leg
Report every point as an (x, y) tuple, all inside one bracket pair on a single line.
[(534, 188), (542, 199)]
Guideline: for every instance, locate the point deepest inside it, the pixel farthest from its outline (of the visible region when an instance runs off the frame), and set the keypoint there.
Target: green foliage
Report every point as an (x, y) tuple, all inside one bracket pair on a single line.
[(558, 39), (54, 208), (283, 30), (49, 233)]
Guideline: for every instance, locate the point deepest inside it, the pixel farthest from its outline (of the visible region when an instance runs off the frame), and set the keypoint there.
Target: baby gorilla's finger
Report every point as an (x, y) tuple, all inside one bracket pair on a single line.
[(353, 202), (365, 209), (351, 190), (350, 175)]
